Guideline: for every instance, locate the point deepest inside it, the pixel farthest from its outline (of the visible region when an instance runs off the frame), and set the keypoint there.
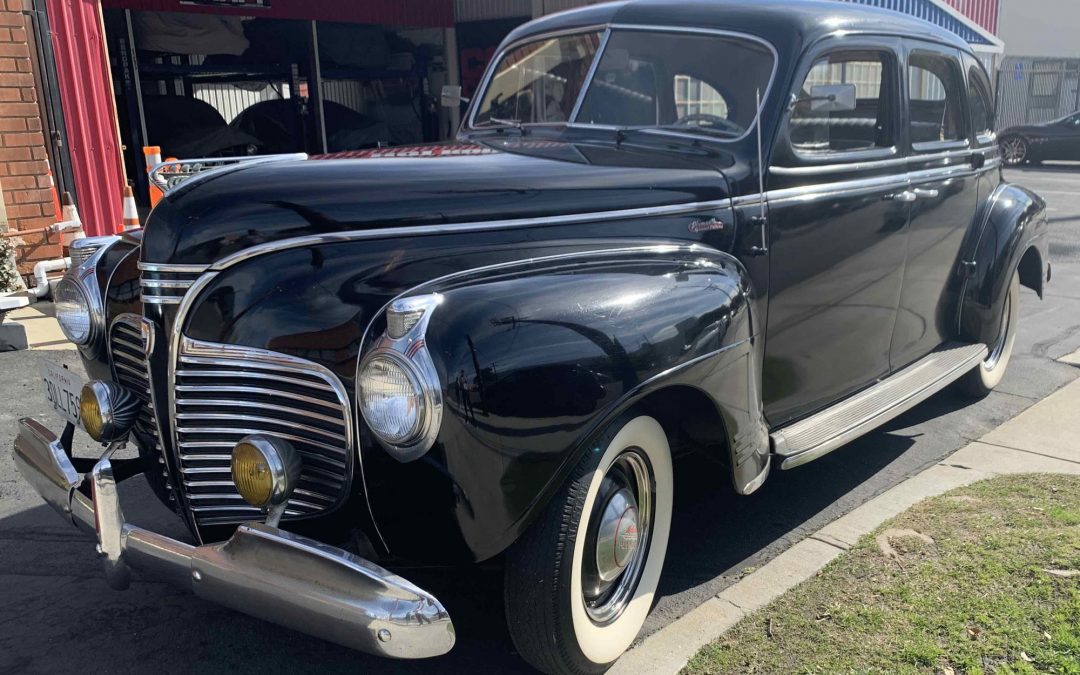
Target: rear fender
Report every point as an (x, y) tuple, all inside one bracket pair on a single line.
[(1013, 236)]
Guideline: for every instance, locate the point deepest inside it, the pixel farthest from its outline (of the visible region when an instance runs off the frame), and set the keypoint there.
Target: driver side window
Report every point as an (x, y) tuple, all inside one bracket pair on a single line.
[(845, 104)]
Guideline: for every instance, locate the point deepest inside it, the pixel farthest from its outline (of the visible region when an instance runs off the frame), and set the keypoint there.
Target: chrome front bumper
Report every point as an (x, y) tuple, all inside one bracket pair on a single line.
[(262, 571)]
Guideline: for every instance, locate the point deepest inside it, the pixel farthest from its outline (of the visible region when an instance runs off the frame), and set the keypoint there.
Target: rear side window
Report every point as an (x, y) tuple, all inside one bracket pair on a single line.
[(982, 110), (935, 99), (845, 104)]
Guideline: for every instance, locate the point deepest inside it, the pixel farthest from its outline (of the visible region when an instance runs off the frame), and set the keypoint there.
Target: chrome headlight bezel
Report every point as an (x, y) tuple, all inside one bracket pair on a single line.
[(85, 281), (81, 299), (408, 351)]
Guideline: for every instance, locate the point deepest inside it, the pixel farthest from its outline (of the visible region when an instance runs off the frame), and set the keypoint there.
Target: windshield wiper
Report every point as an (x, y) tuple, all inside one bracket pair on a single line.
[(500, 124)]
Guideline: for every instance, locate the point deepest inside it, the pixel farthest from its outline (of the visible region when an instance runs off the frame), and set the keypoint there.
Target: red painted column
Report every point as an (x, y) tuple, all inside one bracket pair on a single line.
[(82, 69)]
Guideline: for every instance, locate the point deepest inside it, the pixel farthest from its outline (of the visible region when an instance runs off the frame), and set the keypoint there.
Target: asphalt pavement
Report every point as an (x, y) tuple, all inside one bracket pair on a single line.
[(57, 613)]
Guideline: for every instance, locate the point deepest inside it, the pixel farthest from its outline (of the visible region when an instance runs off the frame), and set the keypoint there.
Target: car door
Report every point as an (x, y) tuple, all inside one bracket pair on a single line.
[(1070, 141), (838, 209), (942, 169)]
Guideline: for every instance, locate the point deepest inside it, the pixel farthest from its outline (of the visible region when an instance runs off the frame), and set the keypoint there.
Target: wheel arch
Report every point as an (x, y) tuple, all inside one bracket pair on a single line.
[(1013, 238)]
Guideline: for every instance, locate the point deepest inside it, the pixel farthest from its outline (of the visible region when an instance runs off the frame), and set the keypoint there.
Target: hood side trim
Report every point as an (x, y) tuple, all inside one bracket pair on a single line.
[(458, 228)]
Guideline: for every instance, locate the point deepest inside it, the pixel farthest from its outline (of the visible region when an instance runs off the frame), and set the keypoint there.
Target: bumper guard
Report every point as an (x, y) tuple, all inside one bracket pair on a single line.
[(261, 571)]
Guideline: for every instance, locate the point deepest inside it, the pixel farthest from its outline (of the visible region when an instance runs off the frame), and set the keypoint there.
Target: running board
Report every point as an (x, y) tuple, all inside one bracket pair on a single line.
[(823, 432)]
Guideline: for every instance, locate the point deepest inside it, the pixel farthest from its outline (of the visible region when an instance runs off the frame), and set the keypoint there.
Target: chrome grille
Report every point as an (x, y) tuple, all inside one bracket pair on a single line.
[(225, 392), (130, 339), (166, 284), (81, 255), (84, 248)]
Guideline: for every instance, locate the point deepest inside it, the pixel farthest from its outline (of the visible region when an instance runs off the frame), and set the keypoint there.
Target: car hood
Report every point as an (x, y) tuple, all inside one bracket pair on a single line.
[(232, 209)]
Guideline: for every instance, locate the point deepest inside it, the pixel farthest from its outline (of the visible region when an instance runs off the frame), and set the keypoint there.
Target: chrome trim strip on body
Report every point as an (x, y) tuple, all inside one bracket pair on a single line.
[(458, 228), (470, 119), (172, 267), (840, 167), (688, 208)]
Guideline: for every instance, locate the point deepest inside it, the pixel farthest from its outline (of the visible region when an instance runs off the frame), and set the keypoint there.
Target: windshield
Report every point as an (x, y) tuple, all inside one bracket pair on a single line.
[(698, 83)]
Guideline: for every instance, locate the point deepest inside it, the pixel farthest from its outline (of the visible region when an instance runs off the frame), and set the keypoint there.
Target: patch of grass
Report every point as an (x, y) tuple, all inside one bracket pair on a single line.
[(977, 600)]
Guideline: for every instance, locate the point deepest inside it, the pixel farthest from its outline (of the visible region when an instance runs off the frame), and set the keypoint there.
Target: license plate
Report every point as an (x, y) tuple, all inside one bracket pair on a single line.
[(62, 390)]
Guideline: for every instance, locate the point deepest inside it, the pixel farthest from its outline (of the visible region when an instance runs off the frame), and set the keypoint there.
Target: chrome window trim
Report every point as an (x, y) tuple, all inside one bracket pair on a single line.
[(489, 73), (607, 30), (572, 119), (839, 167)]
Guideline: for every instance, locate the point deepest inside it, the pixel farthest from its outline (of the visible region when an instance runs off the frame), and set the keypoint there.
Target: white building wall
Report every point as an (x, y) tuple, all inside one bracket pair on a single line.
[(1040, 28)]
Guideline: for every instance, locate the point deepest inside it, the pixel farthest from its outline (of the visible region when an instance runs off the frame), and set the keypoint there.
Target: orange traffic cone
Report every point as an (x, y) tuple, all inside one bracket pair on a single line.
[(131, 212), (152, 153), (70, 220)]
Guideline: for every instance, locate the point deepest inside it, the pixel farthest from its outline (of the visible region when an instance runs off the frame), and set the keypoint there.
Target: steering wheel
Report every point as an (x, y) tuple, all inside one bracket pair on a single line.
[(708, 120)]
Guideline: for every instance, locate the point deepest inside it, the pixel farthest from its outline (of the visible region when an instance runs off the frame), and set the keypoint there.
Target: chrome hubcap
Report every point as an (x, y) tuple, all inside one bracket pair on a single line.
[(618, 537), (617, 541)]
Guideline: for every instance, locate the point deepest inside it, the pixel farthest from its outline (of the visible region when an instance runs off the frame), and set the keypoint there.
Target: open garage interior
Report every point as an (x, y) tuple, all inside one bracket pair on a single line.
[(210, 80)]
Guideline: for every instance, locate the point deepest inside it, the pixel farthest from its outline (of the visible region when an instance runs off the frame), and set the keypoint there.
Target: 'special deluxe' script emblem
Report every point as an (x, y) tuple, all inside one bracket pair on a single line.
[(706, 225)]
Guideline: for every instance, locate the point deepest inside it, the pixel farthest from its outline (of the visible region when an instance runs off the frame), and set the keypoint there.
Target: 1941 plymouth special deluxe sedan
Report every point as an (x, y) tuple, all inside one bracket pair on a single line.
[(755, 230)]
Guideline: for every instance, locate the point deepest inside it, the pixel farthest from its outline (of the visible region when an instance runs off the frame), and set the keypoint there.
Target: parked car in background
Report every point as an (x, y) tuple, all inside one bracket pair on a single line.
[(750, 230), (1033, 143)]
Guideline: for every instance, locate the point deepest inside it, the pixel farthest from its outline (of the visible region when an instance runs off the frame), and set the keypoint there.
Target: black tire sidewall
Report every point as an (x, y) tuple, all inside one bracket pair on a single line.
[(539, 586)]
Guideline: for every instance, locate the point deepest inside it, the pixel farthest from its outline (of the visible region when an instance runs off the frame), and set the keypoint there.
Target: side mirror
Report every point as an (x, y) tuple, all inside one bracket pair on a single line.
[(832, 98), (451, 96)]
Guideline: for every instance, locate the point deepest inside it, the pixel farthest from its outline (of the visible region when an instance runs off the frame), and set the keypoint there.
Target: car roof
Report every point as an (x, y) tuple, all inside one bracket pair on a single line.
[(781, 22)]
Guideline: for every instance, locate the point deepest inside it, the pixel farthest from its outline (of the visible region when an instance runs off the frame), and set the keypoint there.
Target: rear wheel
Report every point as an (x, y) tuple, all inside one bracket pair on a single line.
[(581, 581), (1014, 150), (982, 379)]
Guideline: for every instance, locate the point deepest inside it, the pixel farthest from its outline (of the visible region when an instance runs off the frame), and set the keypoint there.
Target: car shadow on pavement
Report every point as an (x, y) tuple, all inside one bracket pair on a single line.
[(57, 606)]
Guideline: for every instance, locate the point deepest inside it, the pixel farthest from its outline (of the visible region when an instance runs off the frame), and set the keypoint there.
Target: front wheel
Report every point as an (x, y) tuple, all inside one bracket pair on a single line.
[(982, 379), (581, 581)]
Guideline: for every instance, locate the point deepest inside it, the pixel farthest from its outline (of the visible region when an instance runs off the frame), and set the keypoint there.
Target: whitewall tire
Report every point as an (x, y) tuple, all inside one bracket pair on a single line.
[(578, 613), (982, 379)]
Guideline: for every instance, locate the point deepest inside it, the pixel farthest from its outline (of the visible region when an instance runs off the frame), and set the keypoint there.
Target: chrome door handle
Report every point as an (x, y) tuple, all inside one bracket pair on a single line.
[(905, 196), (926, 194)]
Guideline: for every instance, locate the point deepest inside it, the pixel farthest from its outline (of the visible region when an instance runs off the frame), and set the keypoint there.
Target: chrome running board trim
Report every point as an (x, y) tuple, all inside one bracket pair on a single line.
[(823, 432)]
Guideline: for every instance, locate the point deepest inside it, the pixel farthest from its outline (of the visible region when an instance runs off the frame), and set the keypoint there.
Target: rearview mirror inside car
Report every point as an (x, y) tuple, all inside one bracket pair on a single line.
[(832, 97)]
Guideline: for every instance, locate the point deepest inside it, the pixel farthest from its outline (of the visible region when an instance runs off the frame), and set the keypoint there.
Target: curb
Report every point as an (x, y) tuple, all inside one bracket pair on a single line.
[(1041, 439)]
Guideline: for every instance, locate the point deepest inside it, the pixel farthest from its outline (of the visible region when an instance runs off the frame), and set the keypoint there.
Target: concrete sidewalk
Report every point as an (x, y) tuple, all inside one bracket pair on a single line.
[(1045, 438), (32, 327)]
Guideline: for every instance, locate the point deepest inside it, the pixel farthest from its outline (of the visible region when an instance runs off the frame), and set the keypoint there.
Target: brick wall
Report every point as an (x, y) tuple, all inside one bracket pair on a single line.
[(24, 169)]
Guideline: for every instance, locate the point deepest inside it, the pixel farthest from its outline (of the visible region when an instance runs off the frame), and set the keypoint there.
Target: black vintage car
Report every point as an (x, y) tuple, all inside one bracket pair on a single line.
[(752, 230), (1033, 143)]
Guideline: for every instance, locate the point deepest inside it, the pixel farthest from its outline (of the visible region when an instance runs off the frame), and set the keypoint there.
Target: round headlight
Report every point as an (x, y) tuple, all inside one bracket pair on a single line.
[(391, 400), (73, 311)]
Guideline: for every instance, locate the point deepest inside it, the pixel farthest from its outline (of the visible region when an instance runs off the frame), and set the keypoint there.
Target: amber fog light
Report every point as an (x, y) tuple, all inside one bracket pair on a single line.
[(107, 410), (265, 470)]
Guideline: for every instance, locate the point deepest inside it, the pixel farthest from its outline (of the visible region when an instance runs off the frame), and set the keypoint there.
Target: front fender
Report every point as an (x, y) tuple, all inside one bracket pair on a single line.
[(1014, 224), (535, 359)]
